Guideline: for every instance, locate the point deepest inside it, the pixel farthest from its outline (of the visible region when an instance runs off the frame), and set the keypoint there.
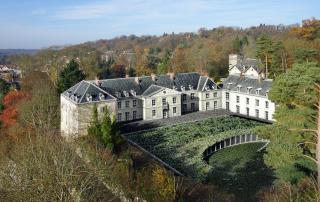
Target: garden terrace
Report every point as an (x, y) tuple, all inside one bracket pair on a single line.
[(182, 146)]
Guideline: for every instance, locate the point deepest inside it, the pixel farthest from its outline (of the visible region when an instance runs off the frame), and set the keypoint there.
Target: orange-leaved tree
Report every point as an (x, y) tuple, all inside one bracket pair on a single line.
[(9, 115)]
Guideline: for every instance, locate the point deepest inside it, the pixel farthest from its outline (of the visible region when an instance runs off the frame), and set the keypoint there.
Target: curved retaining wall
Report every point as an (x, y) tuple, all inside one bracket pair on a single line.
[(232, 141)]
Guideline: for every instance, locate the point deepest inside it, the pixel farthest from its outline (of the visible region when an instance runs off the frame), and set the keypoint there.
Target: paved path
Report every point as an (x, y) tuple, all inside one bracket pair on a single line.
[(191, 117)]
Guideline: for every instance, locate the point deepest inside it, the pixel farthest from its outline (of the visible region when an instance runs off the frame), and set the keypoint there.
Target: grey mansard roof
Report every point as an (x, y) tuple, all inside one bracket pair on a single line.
[(232, 83), (141, 86), (246, 63)]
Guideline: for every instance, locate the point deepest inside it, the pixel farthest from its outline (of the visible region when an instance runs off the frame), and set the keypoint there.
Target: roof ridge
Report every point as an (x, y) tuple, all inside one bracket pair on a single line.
[(100, 89)]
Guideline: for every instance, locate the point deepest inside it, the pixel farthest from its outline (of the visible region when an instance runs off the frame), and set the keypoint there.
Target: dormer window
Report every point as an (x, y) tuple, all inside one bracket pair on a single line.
[(174, 87), (249, 89), (133, 92), (118, 94), (125, 93), (101, 96), (207, 88), (190, 87), (68, 93), (239, 88), (229, 86), (182, 88), (267, 93), (89, 97), (258, 91)]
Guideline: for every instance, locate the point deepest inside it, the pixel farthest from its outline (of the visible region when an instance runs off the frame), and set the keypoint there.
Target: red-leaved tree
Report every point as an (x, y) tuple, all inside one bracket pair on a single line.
[(9, 115)]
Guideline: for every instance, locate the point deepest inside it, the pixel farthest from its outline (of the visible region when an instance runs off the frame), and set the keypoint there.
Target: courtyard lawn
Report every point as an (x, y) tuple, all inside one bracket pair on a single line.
[(240, 170), (181, 146)]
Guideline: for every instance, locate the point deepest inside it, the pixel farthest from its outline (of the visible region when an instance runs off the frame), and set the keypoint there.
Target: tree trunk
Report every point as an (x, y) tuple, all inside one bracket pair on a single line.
[(318, 140), (266, 66), (318, 143)]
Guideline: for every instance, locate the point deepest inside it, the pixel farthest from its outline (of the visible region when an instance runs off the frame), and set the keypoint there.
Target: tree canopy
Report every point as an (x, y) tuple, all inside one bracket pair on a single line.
[(69, 76)]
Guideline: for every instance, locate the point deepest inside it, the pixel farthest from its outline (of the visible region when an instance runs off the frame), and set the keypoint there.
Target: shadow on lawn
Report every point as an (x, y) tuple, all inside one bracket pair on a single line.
[(244, 182)]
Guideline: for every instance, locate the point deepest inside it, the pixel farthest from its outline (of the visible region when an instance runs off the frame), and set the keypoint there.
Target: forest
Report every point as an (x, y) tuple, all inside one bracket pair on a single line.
[(37, 164)]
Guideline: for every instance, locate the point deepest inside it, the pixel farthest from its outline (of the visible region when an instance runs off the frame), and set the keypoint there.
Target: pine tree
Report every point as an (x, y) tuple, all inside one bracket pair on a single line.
[(95, 125), (69, 76), (264, 50), (292, 142), (106, 130)]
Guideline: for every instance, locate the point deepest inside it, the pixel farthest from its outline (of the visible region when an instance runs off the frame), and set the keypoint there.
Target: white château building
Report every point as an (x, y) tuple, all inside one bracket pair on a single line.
[(244, 91)]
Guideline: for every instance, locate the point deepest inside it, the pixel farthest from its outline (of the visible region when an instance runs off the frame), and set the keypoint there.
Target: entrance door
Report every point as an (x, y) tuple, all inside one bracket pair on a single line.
[(165, 113)]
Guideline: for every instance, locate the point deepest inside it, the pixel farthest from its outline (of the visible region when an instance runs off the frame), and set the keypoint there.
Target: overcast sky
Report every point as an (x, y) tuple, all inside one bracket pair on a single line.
[(43, 23)]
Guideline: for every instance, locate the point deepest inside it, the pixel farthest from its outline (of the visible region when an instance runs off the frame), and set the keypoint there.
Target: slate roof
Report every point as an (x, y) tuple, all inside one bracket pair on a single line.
[(123, 87), (152, 89), (246, 63), (79, 93), (236, 80)]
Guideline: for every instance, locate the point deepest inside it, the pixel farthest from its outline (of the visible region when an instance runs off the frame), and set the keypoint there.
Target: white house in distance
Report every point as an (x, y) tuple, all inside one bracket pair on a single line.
[(244, 91)]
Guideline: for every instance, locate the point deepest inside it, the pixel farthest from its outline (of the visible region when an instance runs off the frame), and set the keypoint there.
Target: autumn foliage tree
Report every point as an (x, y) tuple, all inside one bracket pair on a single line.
[(9, 115), (309, 30)]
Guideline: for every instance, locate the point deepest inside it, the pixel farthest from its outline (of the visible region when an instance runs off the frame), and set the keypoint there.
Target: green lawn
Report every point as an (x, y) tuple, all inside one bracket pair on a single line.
[(181, 146), (240, 170)]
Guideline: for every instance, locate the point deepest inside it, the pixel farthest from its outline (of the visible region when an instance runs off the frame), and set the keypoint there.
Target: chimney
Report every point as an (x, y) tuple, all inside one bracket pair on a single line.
[(172, 76), (137, 80), (154, 77), (241, 75), (97, 81), (234, 59)]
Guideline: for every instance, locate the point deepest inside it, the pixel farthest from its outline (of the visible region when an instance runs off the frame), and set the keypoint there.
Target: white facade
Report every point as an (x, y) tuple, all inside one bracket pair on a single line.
[(244, 93)]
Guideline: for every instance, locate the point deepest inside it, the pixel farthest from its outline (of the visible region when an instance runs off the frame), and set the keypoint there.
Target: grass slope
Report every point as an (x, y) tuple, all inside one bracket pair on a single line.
[(240, 170), (182, 145)]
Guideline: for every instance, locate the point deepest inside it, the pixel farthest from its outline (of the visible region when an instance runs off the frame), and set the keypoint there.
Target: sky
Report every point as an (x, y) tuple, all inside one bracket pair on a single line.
[(43, 23)]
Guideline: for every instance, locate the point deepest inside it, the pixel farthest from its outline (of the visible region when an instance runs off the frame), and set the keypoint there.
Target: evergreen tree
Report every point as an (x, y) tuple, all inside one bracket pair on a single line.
[(69, 76), (291, 138), (163, 66), (305, 55), (95, 125), (106, 130), (131, 72), (264, 50)]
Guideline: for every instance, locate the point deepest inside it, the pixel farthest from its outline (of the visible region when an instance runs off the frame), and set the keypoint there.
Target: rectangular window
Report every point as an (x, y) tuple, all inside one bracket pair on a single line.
[(247, 100), (267, 104), (192, 96), (193, 107), (153, 113), (134, 103), (207, 95), (227, 96), (267, 115), (184, 107), (127, 103), (257, 103), (164, 101), (184, 97), (174, 110), (153, 102), (119, 105), (238, 99), (215, 94), (134, 114), (127, 116), (248, 111), (119, 117), (207, 105), (238, 109), (227, 106), (257, 113), (174, 100), (215, 104)]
